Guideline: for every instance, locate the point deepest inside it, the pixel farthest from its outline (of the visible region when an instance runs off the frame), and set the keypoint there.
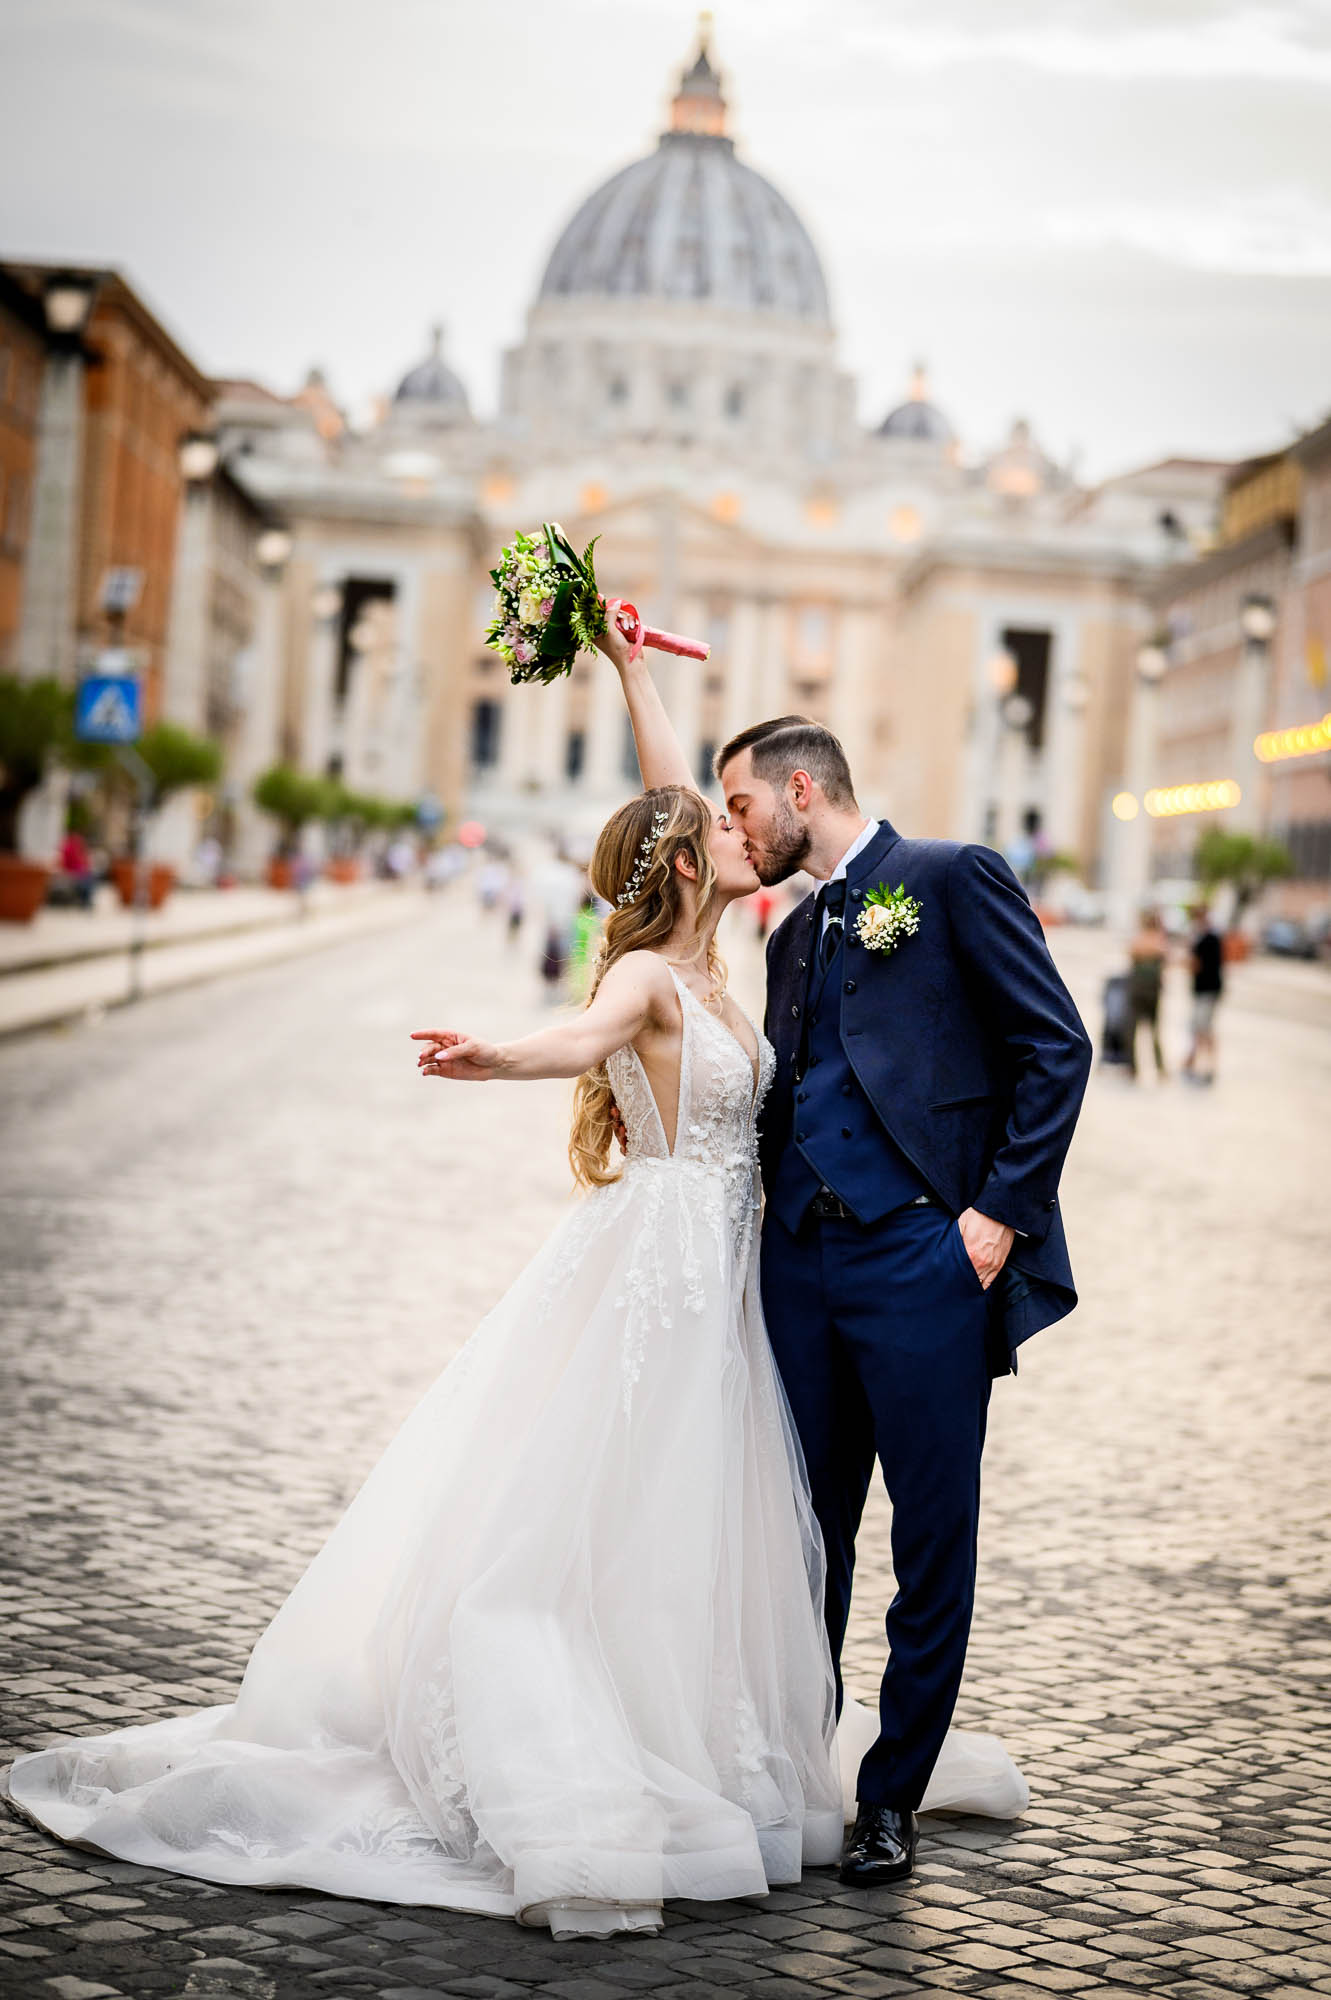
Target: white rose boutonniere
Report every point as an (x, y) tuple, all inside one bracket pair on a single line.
[(888, 916)]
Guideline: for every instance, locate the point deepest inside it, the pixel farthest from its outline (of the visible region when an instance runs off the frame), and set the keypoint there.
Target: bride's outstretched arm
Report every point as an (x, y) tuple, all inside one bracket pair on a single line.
[(661, 757), (635, 991)]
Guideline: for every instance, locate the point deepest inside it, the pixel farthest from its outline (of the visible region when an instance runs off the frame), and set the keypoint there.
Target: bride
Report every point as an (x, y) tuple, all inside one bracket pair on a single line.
[(564, 1655)]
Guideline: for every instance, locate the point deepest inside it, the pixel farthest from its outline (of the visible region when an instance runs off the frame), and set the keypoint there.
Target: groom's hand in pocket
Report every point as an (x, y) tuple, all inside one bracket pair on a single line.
[(987, 1243)]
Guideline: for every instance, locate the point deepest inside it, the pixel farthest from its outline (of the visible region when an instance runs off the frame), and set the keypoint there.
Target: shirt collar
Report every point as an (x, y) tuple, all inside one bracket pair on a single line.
[(857, 846)]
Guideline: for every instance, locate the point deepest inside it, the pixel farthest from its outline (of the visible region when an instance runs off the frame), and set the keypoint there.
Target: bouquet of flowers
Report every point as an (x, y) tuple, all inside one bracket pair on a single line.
[(548, 609)]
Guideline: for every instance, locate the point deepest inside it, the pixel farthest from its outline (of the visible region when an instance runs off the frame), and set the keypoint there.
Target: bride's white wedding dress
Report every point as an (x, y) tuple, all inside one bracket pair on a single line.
[(563, 1657)]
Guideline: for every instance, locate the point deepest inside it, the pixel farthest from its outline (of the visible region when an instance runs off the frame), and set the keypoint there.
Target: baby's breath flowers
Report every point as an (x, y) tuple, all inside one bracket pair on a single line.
[(888, 916)]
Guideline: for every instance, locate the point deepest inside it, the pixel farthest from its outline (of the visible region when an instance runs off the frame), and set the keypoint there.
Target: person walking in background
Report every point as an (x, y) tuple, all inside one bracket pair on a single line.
[(582, 949), (515, 906), (76, 864), (492, 882), (557, 889), (1145, 983), (1208, 983)]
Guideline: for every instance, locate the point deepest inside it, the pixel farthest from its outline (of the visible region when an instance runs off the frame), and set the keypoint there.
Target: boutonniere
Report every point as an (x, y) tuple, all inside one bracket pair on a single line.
[(888, 916)]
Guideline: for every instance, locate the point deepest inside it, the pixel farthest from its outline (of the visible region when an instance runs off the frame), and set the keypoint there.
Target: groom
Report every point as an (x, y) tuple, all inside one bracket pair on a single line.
[(924, 1099)]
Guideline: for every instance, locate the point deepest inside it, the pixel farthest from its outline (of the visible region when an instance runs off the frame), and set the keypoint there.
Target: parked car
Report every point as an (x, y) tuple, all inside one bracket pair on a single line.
[(1286, 937)]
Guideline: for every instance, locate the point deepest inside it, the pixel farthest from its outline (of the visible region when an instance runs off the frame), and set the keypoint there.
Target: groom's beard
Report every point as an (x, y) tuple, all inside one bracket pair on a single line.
[(785, 849)]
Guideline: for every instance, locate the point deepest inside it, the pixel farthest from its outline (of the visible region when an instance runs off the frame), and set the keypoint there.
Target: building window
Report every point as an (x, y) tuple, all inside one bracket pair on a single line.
[(486, 717), (677, 395), (734, 405), (628, 758), (575, 754), (706, 759), (1309, 844), (617, 389), (1031, 651)]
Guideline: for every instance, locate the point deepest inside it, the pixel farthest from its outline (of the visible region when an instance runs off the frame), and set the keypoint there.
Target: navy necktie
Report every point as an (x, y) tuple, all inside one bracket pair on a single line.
[(832, 898)]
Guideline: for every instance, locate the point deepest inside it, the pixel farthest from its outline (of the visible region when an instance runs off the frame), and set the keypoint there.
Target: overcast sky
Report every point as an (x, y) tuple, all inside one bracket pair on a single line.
[(1110, 216)]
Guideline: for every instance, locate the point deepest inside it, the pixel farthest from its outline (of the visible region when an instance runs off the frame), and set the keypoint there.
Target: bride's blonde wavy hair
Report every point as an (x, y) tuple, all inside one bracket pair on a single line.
[(641, 925)]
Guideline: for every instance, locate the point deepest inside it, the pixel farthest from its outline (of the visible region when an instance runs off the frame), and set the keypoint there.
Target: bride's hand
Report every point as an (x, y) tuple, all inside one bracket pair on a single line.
[(612, 641), (463, 1058)]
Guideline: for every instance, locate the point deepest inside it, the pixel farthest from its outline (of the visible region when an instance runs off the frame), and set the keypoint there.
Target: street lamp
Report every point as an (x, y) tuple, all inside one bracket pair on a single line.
[(1152, 662), (1129, 849), (326, 601), (67, 298), (1001, 672), (49, 614), (273, 548), (1251, 702), (197, 457), (1257, 618)]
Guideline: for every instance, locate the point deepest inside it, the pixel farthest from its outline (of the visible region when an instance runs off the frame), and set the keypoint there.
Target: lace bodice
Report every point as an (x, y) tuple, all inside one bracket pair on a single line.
[(716, 1123)]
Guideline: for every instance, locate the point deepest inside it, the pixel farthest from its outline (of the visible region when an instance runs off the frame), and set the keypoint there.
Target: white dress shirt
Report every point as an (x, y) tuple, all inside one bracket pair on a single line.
[(860, 842)]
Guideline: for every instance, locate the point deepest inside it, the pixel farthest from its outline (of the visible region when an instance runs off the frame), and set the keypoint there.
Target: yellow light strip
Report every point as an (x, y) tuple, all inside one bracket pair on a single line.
[(1274, 745), (1214, 796)]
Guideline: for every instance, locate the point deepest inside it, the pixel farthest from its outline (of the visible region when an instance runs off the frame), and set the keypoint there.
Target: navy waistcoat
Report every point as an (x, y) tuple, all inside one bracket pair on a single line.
[(839, 1141)]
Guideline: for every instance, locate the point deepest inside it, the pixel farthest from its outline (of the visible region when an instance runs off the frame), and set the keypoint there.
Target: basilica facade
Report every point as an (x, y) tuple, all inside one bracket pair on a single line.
[(966, 620)]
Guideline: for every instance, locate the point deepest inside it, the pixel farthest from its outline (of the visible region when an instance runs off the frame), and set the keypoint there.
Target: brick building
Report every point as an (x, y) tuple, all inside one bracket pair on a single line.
[(141, 394), (22, 360)]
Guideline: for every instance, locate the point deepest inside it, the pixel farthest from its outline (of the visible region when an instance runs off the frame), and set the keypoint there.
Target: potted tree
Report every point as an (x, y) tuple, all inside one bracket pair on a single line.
[(293, 798), (177, 759), (1244, 861), (36, 722), (351, 815)]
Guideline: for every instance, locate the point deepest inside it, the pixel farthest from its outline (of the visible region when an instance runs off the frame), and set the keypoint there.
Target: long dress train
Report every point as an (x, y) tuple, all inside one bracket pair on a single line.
[(563, 1657)]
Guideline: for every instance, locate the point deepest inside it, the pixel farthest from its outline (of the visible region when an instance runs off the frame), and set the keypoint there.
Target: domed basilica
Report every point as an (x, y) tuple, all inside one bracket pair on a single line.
[(966, 620)]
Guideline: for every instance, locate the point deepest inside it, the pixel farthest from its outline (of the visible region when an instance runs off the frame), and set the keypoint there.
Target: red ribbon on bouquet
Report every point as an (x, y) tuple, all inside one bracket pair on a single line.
[(639, 635)]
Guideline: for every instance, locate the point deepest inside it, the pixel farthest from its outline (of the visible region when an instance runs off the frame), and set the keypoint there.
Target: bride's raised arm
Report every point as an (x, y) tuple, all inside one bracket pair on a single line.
[(661, 757), (636, 990)]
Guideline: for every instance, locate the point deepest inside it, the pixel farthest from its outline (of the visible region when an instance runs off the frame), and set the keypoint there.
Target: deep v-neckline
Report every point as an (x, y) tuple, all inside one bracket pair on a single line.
[(754, 1061)]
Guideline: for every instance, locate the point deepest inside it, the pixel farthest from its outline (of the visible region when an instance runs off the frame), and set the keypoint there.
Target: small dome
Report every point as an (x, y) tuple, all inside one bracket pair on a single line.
[(917, 419), (1021, 468), (431, 387), (691, 222)]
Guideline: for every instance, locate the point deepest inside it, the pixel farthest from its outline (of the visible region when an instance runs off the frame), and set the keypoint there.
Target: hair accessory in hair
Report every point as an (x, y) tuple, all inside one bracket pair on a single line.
[(646, 855)]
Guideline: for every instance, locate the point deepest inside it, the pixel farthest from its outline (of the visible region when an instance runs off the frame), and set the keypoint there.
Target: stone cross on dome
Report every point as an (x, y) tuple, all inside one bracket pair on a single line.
[(698, 105)]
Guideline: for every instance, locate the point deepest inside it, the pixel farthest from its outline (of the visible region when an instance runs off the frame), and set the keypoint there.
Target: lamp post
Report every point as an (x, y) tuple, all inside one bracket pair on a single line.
[(49, 620), (259, 738), (1257, 626), (1130, 838), (319, 680), (185, 686), (1065, 765), (1014, 713)]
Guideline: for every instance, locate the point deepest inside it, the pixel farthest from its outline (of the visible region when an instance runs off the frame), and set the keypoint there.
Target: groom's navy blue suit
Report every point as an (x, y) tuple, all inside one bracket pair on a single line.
[(945, 1074)]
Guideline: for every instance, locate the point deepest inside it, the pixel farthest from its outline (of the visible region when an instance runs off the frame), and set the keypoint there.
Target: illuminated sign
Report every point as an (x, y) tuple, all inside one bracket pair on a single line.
[(1168, 800), (1274, 745)]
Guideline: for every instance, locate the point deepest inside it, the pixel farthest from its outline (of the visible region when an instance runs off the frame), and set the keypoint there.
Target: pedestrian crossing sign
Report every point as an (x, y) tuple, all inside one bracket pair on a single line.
[(107, 709)]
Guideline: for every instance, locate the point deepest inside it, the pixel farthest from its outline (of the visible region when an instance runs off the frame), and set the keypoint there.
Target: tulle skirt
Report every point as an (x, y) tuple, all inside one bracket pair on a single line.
[(563, 1657)]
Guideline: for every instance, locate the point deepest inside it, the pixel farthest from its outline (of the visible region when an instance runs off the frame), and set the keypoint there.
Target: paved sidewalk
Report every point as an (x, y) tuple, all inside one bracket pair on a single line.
[(67, 963), (240, 1238)]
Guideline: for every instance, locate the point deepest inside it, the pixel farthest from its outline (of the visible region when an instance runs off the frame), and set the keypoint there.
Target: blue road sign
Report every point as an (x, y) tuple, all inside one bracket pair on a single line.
[(429, 811), (108, 709)]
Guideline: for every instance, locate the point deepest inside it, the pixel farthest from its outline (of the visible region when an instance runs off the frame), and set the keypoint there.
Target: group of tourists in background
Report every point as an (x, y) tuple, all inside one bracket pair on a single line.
[(1132, 1000)]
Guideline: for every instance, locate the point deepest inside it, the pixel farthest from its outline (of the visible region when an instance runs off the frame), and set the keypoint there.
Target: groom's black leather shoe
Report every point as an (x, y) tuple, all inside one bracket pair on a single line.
[(881, 1848)]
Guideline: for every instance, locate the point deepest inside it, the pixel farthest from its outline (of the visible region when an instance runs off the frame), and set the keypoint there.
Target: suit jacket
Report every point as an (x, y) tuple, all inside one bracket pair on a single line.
[(968, 1045)]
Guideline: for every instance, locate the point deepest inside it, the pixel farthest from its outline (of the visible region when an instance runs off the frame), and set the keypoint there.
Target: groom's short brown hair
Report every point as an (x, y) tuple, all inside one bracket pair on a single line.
[(794, 743)]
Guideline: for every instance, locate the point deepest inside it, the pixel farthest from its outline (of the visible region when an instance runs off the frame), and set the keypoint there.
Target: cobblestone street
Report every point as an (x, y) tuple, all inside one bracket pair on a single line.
[(239, 1239)]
